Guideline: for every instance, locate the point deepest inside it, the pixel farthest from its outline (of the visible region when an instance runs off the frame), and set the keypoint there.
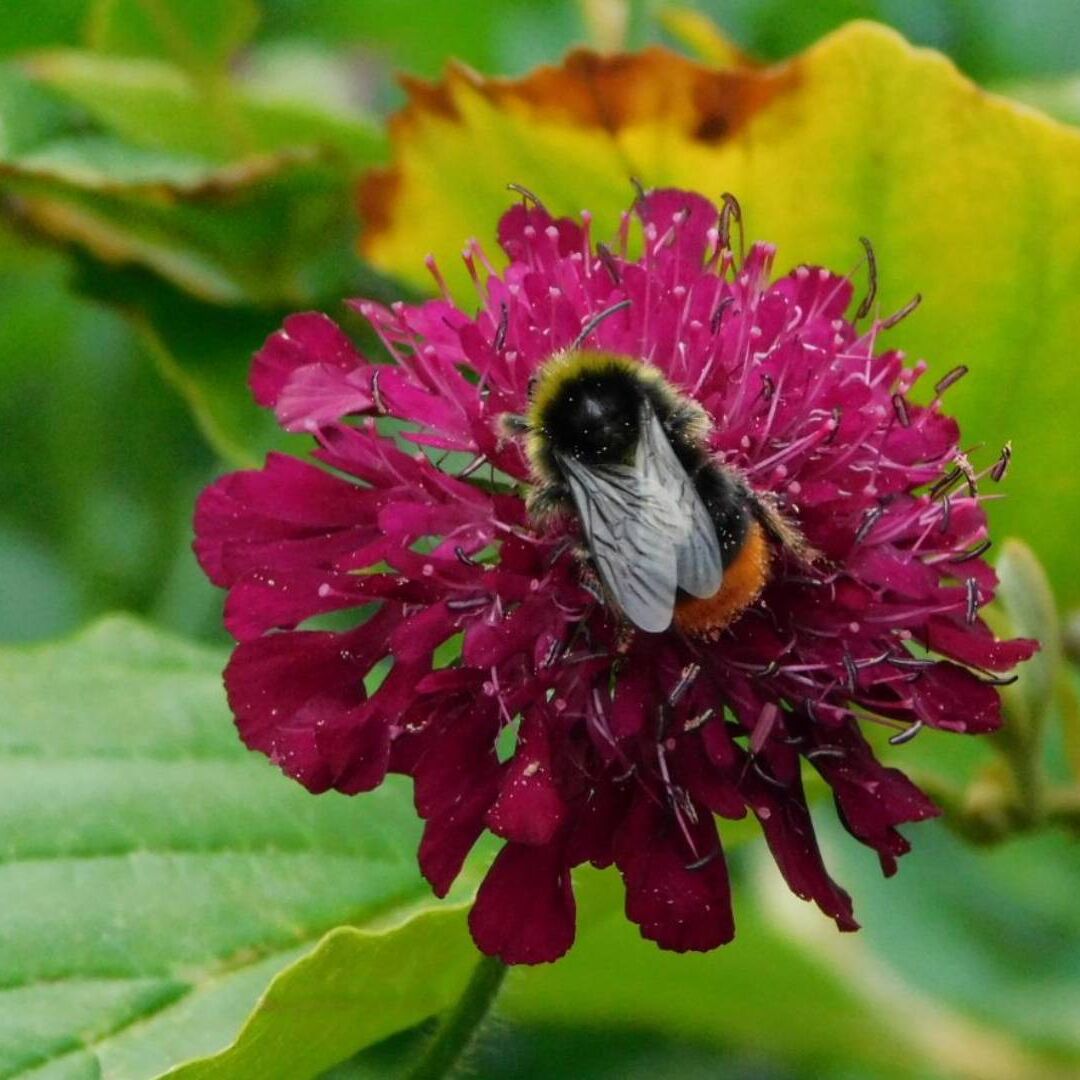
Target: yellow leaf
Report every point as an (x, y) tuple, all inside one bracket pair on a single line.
[(969, 199)]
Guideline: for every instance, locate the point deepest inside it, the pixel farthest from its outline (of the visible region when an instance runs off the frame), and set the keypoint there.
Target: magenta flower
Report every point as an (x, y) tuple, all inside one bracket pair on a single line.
[(627, 745)]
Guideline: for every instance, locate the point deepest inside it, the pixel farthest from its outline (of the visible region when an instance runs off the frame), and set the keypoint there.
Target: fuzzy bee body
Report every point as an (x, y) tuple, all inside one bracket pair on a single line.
[(673, 534)]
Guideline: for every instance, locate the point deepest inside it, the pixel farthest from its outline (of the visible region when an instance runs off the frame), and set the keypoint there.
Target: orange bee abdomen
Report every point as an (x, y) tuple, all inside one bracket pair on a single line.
[(743, 581)]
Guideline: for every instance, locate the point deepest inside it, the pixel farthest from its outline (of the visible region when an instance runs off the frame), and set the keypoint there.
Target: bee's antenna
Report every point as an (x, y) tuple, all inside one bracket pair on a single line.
[(527, 195), (871, 270), (596, 320)]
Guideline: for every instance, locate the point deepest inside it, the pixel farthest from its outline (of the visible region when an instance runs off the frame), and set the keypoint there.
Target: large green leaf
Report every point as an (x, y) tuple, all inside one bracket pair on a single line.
[(156, 877), (199, 34), (354, 990), (153, 103), (968, 199), (232, 197)]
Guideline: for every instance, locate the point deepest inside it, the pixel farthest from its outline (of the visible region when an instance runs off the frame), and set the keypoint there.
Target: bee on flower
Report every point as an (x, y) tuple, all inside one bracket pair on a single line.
[(690, 530)]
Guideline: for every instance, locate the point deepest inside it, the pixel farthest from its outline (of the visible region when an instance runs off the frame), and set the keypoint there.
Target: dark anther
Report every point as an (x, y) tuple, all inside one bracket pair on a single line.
[(903, 313), (661, 723), (950, 379), (907, 734), (916, 662), (766, 776), (969, 476), (972, 587), (946, 513), (946, 482), (464, 557), (730, 212), (900, 408), (974, 553), (686, 680), (825, 752), (467, 604), (1001, 466), (870, 519), (870, 661), (504, 326), (871, 269), (768, 387), (527, 195), (376, 396), (700, 864), (852, 672), (607, 260), (552, 653), (596, 320), (718, 315)]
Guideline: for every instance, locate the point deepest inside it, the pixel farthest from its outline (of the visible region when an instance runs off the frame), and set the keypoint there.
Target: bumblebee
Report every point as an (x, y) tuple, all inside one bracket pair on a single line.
[(674, 535)]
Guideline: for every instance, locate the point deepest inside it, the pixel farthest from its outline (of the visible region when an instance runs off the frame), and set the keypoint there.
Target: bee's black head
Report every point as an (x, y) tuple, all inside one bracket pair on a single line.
[(594, 416)]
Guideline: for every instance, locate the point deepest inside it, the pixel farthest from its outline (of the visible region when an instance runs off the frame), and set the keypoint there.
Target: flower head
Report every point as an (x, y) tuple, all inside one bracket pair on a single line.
[(478, 626)]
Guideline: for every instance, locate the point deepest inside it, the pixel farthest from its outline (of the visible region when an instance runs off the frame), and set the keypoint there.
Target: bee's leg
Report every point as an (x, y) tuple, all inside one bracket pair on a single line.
[(781, 528), (685, 423), (548, 500), (587, 575)]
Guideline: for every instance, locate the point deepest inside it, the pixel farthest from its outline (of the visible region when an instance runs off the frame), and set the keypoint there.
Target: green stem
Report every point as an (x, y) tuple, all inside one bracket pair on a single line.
[(460, 1025)]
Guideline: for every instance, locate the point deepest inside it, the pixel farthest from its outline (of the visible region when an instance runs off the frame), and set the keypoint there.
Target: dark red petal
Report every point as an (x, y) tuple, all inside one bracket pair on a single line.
[(679, 897), (976, 644), (688, 216), (789, 832), (243, 515), (282, 688), (871, 798), (307, 338), (529, 809), (318, 395), (524, 912), (274, 599), (456, 779), (523, 235), (950, 697), (358, 745), (449, 836)]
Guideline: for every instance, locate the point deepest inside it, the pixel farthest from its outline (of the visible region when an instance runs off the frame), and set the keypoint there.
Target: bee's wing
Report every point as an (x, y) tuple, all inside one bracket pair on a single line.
[(647, 528), (700, 569)]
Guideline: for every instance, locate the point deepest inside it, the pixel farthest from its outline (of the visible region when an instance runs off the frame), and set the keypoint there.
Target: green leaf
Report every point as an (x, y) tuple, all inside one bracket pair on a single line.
[(202, 351), (968, 199), (201, 35), (156, 876), (151, 103), (318, 1012), (232, 197)]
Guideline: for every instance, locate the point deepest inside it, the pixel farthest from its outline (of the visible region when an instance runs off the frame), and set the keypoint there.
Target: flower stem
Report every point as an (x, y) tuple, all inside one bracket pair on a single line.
[(460, 1025)]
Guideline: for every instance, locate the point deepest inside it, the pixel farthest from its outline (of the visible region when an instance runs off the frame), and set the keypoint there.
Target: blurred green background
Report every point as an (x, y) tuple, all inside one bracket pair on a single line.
[(107, 439)]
